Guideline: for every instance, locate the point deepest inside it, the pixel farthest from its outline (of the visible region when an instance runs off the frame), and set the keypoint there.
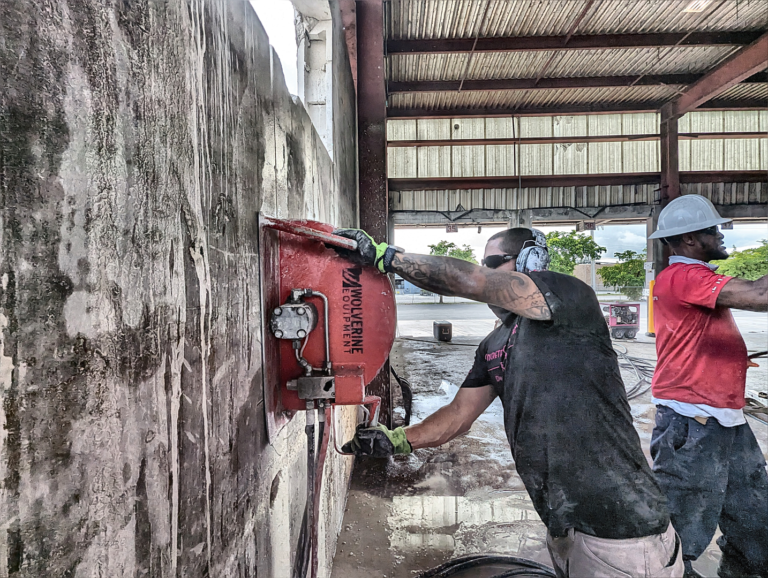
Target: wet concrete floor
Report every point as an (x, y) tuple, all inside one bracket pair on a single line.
[(407, 514)]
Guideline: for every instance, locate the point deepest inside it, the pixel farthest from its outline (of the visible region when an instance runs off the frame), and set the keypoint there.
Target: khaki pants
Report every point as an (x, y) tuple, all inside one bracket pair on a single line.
[(580, 555)]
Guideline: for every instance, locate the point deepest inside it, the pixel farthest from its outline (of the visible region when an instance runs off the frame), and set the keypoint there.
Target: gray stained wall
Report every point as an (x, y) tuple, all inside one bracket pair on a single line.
[(139, 139)]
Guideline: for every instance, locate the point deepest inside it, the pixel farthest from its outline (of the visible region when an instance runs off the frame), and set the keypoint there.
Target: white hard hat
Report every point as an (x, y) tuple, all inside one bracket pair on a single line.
[(687, 214)]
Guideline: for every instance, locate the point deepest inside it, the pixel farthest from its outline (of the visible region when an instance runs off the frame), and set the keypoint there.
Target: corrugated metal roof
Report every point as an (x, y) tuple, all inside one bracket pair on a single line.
[(409, 19), (436, 19), (566, 64), (509, 99)]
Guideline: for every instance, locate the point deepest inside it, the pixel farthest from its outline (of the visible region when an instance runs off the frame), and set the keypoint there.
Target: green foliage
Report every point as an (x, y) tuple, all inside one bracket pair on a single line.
[(748, 264), (628, 276), (449, 249), (568, 249)]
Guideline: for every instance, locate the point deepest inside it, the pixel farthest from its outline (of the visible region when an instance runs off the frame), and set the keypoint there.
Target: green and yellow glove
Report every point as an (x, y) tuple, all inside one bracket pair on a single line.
[(378, 442), (369, 252)]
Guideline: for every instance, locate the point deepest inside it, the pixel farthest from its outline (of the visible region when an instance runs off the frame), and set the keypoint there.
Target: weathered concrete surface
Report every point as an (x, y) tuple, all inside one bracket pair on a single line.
[(139, 138)]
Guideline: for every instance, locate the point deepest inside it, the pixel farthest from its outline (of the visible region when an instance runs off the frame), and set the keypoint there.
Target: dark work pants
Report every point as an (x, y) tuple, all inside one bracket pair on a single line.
[(714, 475)]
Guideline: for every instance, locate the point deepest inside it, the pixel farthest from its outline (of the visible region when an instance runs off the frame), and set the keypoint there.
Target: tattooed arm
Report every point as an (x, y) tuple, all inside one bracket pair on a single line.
[(514, 292)]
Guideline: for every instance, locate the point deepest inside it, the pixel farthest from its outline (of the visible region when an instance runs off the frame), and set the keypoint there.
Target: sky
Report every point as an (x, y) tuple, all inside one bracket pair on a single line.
[(277, 18), (615, 238)]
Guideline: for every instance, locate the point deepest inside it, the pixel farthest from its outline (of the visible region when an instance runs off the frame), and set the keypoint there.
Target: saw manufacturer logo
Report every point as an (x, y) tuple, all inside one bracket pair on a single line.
[(352, 310)]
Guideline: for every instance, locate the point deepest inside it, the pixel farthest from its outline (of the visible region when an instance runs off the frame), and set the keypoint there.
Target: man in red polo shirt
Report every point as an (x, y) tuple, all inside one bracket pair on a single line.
[(706, 458)]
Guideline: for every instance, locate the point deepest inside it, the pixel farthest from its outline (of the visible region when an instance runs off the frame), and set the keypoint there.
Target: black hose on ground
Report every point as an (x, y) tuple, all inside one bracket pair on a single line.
[(302, 562), (453, 567)]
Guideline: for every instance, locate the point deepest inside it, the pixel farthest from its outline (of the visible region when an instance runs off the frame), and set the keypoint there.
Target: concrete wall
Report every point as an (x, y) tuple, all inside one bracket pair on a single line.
[(138, 141)]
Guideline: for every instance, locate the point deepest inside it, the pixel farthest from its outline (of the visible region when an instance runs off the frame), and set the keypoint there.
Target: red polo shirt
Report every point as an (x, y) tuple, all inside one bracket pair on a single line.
[(702, 355)]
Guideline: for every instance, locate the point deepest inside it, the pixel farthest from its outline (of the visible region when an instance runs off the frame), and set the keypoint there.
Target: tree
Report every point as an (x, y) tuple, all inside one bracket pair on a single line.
[(449, 249), (748, 264), (568, 249), (628, 275)]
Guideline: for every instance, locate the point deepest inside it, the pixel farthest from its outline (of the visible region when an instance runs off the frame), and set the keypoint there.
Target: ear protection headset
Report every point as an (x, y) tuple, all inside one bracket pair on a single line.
[(534, 256)]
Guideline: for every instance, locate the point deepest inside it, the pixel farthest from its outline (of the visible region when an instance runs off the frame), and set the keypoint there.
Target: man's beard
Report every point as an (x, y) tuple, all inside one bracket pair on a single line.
[(500, 312)]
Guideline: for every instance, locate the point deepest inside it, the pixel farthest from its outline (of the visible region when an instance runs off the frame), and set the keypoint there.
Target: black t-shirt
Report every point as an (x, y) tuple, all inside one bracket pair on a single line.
[(567, 417)]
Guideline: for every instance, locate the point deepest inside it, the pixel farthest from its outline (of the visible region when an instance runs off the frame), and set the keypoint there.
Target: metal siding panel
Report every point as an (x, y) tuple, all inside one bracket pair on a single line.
[(468, 161), (684, 123), (604, 124), (535, 126), (433, 129), (401, 162), (742, 154), (536, 159), (741, 121), (640, 123), (763, 121), (605, 157), (706, 155), (500, 160), (570, 158), (706, 121), (641, 157), (502, 127), (569, 125), (401, 130), (764, 154), (434, 161), (467, 128), (684, 155)]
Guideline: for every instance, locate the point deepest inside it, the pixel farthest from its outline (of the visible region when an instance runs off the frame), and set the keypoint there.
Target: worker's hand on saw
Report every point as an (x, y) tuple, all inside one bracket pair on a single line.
[(378, 442), (369, 252)]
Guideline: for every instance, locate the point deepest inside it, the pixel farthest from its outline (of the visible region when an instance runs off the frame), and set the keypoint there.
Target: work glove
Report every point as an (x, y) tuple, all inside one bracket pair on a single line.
[(378, 442), (369, 252)]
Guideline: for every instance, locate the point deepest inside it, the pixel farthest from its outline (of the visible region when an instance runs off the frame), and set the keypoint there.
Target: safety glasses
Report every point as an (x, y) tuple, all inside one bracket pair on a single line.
[(493, 261), (710, 231)]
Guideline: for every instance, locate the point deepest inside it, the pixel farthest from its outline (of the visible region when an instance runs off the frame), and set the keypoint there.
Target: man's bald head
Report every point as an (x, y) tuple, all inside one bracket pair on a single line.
[(511, 240)]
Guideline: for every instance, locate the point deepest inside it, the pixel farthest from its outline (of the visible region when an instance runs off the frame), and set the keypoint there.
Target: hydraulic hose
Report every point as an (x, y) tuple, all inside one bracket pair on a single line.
[(453, 567), (324, 415), (301, 564)]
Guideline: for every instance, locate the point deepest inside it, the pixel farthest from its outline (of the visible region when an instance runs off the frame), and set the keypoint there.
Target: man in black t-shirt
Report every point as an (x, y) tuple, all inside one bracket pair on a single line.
[(566, 412)]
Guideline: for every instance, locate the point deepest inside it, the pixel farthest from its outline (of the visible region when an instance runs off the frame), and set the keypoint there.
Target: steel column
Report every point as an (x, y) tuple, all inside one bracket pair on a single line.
[(670, 186), (372, 149)]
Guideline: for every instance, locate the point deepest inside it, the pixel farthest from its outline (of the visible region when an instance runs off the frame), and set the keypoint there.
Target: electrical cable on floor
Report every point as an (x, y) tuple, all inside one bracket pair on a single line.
[(457, 565), (642, 368)]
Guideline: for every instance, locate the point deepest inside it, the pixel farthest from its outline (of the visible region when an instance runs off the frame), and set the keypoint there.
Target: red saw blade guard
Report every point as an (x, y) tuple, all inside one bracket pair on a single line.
[(362, 315)]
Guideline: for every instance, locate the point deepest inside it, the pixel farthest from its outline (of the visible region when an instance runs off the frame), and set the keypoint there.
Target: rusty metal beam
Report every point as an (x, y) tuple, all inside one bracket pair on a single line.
[(497, 84), (514, 182), (742, 66), (670, 166), (581, 42), (558, 110), (570, 139), (372, 150)]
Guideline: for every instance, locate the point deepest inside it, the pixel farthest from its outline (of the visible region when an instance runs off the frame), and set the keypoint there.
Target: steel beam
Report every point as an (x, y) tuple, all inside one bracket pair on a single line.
[(498, 84), (617, 214), (582, 42), (738, 68), (670, 165), (610, 179), (570, 139), (559, 110), (372, 149)]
